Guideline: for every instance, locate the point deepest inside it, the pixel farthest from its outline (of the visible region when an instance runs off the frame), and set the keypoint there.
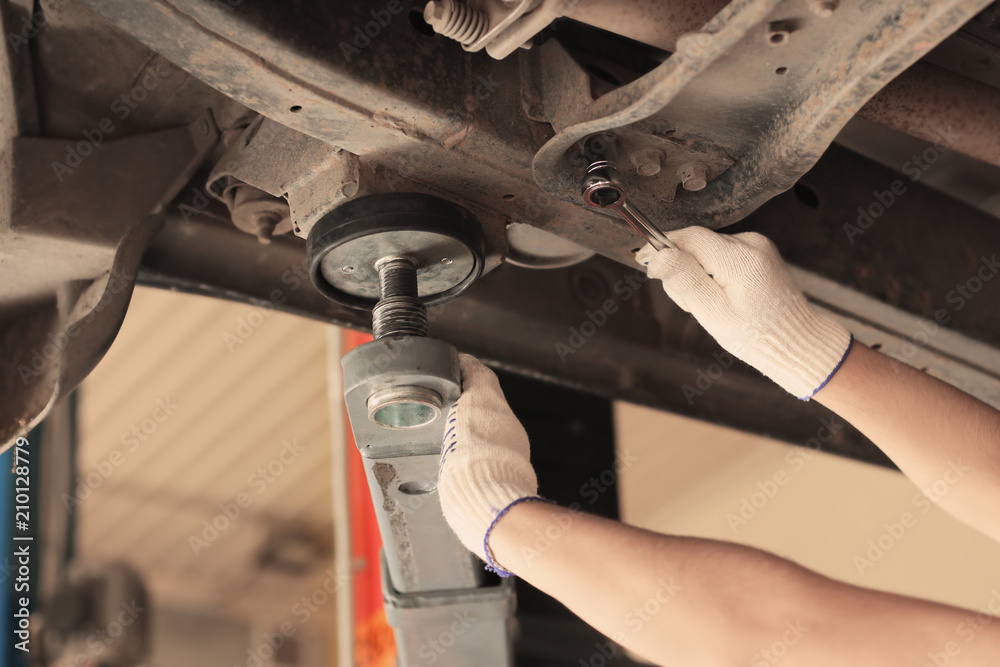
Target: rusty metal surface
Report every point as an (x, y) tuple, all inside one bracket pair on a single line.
[(792, 105), (421, 114), (933, 104), (649, 21), (312, 175), (67, 271)]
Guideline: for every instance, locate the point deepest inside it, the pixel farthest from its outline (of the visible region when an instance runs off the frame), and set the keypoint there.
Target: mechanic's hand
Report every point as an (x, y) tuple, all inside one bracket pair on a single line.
[(484, 461), (741, 291)]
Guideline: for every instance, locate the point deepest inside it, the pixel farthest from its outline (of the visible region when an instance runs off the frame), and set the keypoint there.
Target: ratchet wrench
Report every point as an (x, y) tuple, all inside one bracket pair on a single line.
[(604, 187)]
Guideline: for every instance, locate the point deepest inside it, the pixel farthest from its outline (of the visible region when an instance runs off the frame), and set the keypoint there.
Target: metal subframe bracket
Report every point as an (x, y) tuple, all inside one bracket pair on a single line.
[(429, 576)]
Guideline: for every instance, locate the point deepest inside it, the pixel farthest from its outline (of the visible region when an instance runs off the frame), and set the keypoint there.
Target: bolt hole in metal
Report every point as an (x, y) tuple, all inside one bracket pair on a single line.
[(781, 71), (417, 488), (419, 24), (295, 109), (404, 407), (508, 197)]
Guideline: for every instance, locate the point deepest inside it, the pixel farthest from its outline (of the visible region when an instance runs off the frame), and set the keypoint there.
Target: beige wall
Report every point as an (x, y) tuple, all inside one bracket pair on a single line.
[(691, 478)]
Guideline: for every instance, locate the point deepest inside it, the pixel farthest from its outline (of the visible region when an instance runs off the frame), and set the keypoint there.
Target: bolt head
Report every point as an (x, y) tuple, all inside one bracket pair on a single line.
[(347, 269), (694, 176), (435, 12), (446, 260), (824, 8)]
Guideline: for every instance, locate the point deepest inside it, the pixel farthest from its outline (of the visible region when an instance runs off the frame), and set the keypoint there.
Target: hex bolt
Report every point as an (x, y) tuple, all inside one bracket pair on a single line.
[(460, 22), (824, 8), (647, 161), (693, 175), (399, 311)]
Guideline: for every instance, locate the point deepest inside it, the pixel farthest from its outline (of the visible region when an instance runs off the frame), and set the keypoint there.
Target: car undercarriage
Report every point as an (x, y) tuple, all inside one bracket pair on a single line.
[(206, 146)]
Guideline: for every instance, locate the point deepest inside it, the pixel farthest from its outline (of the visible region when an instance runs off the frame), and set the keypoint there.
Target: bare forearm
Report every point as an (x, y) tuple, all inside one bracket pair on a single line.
[(947, 442), (687, 601)]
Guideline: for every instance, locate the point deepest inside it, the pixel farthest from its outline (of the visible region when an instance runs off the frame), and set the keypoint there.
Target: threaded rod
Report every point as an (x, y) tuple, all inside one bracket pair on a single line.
[(399, 311)]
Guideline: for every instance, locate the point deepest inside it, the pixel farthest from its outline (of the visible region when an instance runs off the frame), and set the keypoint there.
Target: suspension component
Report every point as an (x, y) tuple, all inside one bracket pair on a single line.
[(401, 248)]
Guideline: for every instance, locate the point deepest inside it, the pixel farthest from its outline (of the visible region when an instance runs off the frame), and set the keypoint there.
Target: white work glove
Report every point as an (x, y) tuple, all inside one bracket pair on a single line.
[(742, 293), (484, 461)]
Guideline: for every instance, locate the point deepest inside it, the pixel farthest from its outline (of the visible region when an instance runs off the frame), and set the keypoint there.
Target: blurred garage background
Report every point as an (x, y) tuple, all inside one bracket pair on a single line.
[(205, 463)]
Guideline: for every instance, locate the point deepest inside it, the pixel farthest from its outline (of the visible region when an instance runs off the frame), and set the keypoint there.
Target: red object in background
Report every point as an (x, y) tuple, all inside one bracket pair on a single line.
[(374, 643)]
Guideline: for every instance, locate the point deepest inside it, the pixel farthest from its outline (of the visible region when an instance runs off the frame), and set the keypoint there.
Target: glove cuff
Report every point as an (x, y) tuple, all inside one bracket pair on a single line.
[(807, 353), (474, 497)]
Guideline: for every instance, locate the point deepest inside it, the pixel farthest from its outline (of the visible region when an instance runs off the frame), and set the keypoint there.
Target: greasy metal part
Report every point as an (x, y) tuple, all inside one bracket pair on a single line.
[(258, 213), (480, 618), (956, 113), (304, 177), (442, 239), (399, 311), (68, 270), (809, 106)]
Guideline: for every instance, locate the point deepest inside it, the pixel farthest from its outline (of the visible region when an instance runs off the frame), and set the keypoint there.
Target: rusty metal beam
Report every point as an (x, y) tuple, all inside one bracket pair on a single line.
[(943, 108)]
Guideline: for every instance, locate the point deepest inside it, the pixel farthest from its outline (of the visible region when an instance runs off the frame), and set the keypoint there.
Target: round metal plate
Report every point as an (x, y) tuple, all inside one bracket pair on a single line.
[(442, 262), (444, 239)]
